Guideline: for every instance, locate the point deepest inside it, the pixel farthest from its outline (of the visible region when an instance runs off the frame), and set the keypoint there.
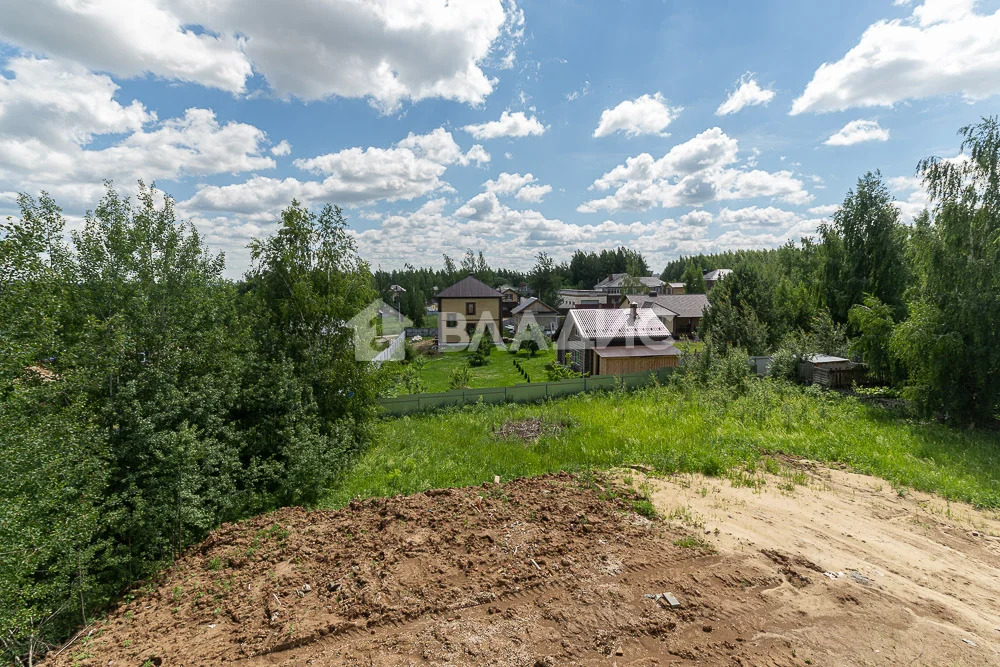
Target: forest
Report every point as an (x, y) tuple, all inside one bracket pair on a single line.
[(145, 398)]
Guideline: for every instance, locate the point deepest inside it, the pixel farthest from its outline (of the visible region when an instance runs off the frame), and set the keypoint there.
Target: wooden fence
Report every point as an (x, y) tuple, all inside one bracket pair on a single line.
[(394, 347), (519, 393)]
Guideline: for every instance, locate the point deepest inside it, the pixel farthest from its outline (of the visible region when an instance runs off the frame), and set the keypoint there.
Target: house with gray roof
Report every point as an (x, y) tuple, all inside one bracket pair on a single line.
[(687, 310), (617, 283), (614, 341)]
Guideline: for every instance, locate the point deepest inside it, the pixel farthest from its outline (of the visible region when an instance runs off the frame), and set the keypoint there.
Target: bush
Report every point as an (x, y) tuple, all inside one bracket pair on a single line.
[(481, 355), (460, 377)]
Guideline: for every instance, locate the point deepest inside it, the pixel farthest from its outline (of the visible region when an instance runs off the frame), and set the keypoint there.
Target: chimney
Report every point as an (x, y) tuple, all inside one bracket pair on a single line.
[(633, 311)]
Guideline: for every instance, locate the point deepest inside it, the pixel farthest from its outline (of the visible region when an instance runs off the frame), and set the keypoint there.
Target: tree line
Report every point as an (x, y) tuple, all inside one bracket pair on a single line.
[(919, 304), (144, 398)]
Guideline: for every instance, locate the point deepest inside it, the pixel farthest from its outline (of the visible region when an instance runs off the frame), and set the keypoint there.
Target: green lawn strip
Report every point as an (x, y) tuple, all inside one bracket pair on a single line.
[(500, 372), (674, 430)]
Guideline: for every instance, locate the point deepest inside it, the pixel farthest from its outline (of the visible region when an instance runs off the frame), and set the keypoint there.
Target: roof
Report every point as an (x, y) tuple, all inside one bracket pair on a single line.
[(526, 303), (616, 280), (684, 305), (717, 274), (581, 292), (653, 349), (608, 323), (470, 286), (825, 359), (676, 284)]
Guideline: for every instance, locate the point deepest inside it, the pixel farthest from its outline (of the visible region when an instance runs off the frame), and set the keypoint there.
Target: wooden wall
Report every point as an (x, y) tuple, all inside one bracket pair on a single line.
[(622, 365)]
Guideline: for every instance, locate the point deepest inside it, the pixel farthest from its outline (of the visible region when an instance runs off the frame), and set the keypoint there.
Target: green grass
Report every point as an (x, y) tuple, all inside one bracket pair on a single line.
[(500, 372), (676, 429)]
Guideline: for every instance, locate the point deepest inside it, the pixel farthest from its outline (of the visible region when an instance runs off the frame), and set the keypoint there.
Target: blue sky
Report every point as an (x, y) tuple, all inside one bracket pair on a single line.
[(502, 127)]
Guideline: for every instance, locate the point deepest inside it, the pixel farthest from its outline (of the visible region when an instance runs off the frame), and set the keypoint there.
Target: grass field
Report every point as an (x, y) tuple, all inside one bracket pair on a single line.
[(677, 428), (500, 372)]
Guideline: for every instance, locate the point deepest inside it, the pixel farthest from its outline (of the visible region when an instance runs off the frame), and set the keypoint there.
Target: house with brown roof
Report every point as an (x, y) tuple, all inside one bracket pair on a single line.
[(602, 341), (464, 307), (687, 310)]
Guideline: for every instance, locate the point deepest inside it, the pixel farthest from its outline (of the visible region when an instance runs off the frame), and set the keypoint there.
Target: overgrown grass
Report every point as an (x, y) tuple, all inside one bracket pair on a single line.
[(500, 372), (676, 428)]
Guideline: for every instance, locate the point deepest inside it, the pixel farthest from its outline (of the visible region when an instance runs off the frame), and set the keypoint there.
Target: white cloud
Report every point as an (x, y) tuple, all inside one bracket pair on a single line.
[(63, 104), (510, 125), (944, 48), (577, 94), (755, 216), (824, 211), (747, 93), (412, 168), (507, 183), (533, 193), (282, 149), (647, 114), (51, 112), (692, 173), (858, 131), (382, 50)]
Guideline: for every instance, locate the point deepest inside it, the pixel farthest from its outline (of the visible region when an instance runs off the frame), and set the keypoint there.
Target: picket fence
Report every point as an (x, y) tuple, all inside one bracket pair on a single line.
[(519, 393), (394, 347)]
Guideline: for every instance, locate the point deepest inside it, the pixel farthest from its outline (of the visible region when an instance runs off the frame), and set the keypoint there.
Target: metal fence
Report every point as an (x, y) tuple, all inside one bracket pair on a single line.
[(394, 347), (519, 393)]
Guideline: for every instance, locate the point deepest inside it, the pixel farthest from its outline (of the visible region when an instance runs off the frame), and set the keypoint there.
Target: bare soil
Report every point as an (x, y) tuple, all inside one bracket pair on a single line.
[(562, 569)]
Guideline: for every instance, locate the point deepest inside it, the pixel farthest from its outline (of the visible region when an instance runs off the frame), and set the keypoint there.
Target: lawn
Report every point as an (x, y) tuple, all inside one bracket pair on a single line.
[(500, 372), (676, 428)]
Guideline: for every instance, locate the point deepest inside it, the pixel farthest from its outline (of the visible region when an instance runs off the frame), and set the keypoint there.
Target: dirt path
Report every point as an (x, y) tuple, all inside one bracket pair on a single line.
[(558, 570)]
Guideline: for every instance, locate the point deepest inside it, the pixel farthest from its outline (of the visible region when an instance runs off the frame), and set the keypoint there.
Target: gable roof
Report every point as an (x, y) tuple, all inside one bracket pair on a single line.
[(470, 286), (526, 303), (717, 274), (684, 305), (617, 279), (609, 323)]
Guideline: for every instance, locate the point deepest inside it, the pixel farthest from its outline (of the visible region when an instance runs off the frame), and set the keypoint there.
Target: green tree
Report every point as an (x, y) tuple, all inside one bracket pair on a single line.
[(951, 342), (874, 324), (694, 280), (865, 249), (741, 311), (545, 279)]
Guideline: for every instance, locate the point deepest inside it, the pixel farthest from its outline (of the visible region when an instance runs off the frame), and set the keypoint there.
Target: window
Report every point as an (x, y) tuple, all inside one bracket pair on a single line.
[(452, 320), (470, 307)]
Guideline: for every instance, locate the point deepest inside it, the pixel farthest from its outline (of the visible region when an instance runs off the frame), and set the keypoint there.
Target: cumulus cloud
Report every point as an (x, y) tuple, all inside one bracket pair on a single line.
[(747, 93), (412, 168), (692, 173), (63, 104), (824, 211), (647, 114), (943, 48), (533, 193), (515, 124), (507, 183), (51, 113), (856, 132), (281, 149), (382, 50)]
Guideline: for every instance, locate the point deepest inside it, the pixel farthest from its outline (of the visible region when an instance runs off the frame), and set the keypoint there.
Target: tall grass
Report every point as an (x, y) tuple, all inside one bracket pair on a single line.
[(681, 427)]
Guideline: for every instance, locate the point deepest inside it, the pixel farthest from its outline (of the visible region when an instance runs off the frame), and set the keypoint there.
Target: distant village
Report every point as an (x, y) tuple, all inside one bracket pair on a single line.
[(624, 324)]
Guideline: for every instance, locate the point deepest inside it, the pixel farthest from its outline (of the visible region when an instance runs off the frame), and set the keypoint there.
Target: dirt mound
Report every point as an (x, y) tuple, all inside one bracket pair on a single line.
[(563, 569)]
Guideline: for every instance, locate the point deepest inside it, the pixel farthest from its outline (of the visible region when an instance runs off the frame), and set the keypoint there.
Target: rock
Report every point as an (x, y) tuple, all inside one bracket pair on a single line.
[(333, 587), (306, 588)]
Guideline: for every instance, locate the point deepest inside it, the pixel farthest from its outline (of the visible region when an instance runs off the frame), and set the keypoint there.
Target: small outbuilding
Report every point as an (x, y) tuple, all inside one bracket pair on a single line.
[(830, 371)]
